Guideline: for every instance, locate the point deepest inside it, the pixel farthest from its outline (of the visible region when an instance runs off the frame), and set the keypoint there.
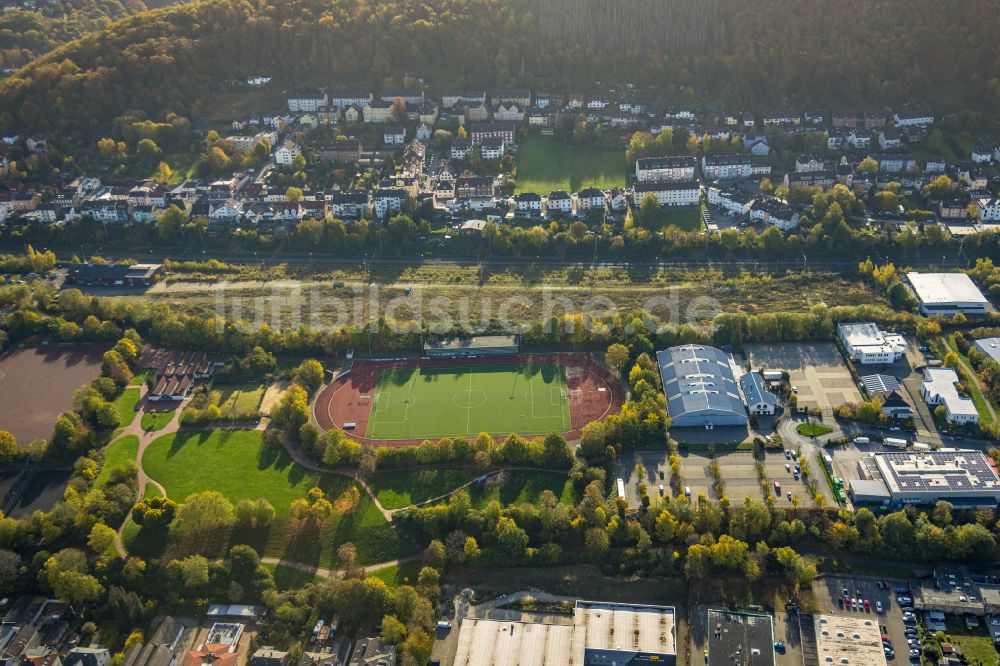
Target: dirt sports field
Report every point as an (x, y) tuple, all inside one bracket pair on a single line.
[(399, 402), (37, 384)]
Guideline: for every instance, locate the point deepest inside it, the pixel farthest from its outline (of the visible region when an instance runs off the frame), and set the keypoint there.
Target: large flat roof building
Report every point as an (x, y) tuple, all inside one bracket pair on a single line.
[(947, 293), (964, 478), (868, 344), (700, 387), (849, 640), (599, 634), (989, 347)]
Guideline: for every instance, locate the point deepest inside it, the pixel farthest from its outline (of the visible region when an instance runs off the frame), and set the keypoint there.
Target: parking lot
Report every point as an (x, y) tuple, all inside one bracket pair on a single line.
[(815, 369), (831, 588), (737, 468)]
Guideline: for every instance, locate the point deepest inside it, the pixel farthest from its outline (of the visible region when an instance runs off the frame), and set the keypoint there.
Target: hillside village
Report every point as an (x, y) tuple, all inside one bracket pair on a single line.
[(454, 153)]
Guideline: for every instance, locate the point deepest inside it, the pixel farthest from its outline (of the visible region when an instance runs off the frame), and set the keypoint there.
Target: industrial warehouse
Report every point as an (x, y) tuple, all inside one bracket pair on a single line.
[(947, 294), (702, 390), (598, 634), (964, 478)]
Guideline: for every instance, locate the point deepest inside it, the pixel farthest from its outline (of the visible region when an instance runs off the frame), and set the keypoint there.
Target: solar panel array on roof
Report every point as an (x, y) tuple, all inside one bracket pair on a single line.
[(879, 384), (700, 387), (955, 475)]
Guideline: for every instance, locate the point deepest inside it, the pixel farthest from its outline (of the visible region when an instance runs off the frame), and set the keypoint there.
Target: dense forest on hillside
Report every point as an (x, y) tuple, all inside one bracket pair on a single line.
[(852, 52), (29, 32)]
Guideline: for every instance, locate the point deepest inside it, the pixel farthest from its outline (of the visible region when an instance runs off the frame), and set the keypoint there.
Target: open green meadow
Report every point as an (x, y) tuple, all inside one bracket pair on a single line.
[(399, 489), (544, 164), (240, 399), (421, 403), (236, 464), (125, 405), (125, 449)]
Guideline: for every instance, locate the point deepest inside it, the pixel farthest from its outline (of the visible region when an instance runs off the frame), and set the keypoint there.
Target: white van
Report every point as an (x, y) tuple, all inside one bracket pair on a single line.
[(861, 440), (687, 491)]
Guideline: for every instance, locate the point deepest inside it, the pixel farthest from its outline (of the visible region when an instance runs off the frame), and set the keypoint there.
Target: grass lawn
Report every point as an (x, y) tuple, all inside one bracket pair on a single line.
[(125, 405), (687, 218), (240, 398), (140, 376), (975, 643), (972, 385), (398, 489), (544, 164), (400, 574), (156, 420), (813, 429), (234, 463), (520, 487), (419, 403), (121, 451), (287, 578)]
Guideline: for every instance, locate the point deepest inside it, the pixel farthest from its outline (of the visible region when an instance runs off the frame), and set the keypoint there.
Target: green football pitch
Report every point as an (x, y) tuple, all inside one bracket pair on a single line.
[(432, 402)]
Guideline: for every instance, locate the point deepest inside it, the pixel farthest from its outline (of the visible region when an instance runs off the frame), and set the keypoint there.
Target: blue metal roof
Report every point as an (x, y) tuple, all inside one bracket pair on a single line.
[(697, 378)]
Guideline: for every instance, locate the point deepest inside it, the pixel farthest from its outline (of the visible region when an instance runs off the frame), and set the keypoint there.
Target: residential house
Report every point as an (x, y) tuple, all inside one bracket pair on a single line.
[(749, 120), (472, 112), (895, 163), (575, 101), (228, 213), (372, 652), (354, 114), (427, 113), (758, 145), (460, 148), (935, 164), (814, 116), (22, 202), (503, 130), (389, 201), (341, 150), (394, 135), (285, 155), (836, 141), (952, 209), (511, 111), (679, 113), (733, 201), (591, 199), (518, 95), (454, 97), (859, 140), (824, 178), (306, 102), (983, 153), (559, 203), (470, 187), (776, 214), (760, 166), (528, 203), (781, 117), (808, 163), (914, 117), (346, 98), (378, 111), (677, 168), (725, 167), (492, 147), (895, 407), (890, 138), (36, 143), (598, 103), (424, 133), (268, 656), (349, 205), (409, 97), (541, 117), (875, 119), (989, 210), (87, 656), (844, 119), (548, 100), (669, 193)]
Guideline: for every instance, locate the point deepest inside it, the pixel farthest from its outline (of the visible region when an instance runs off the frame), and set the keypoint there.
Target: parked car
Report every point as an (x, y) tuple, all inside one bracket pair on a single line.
[(878, 607)]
